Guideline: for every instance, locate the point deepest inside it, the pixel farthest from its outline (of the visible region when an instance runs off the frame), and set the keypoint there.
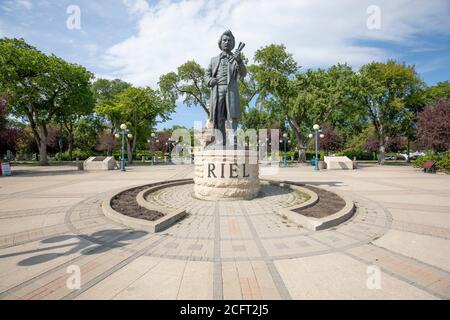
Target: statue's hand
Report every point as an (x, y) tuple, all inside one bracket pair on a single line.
[(213, 82), (237, 57)]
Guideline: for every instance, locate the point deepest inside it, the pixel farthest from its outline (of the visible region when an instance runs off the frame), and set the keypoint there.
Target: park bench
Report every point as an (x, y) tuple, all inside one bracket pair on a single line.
[(429, 166)]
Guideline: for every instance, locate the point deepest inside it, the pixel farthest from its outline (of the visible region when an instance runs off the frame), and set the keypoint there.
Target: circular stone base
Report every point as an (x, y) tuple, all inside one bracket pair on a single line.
[(226, 175), (269, 196)]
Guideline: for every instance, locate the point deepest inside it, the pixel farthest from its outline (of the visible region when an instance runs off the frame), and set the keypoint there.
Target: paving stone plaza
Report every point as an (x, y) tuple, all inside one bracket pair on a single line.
[(51, 220)]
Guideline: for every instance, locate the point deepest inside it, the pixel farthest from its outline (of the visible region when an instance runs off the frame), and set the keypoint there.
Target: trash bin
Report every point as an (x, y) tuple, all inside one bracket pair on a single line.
[(5, 169)]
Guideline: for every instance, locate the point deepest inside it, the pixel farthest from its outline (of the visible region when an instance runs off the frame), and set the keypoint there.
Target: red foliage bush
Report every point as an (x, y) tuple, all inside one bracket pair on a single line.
[(433, 126)]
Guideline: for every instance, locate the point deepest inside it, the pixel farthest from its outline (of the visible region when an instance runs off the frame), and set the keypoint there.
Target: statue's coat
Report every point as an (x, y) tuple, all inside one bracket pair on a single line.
[(233, 100)]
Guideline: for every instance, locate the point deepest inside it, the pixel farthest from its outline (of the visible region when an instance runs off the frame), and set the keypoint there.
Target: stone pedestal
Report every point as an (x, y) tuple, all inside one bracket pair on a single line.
[(100, 163), (226, 174), (338, 163)]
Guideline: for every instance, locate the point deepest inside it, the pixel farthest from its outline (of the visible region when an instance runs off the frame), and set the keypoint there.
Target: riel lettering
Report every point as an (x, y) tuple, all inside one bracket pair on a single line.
[(215, 170)]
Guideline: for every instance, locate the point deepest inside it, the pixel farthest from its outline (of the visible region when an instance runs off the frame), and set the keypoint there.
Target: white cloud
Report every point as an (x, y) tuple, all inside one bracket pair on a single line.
[(136, 6), (25, 4), (318, 33), (11, 5)]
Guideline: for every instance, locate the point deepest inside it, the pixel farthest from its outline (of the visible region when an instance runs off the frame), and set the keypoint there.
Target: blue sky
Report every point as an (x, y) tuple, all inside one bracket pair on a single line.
[(138, 40)]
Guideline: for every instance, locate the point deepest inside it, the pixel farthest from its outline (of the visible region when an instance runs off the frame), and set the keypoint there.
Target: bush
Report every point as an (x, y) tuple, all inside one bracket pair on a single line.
[(77, 153), (309, 155), (147, 154), (360, 154), (442, 160), (444, 163)]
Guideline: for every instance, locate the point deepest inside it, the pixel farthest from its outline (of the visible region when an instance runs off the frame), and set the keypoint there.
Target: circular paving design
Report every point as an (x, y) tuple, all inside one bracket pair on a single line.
[(271, 197), (243, 230), (215, 243), (231, 232)]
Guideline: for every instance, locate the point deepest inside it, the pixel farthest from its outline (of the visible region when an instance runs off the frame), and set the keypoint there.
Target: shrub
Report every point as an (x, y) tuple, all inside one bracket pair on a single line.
[(360, 154), (77, 153), (442, 160), (309, 155), (444, 163)]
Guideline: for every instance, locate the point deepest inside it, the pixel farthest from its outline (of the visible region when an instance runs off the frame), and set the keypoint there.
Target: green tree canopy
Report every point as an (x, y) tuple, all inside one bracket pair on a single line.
[(187, 83), (139, 109), (105, 92), (39, 86), (440, 91), (303, 98), (384, 92)]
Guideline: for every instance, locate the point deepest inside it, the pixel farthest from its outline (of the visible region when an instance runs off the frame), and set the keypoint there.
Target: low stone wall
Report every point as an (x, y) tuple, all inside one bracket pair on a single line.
[(338, 163), (100, 163)]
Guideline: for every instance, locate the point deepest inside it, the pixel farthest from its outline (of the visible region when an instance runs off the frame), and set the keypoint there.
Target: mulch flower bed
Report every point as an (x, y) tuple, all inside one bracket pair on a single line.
[(328, 204), (126, 204)]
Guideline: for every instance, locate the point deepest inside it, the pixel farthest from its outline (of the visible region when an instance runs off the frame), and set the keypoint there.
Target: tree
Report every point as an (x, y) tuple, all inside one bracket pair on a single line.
[(78, 104), (38, 86), (372, 143), (105, 92), (106, 142), (26, 144), (273, 72), (3, 114), (440, 91), (9, 133), (302, 98), (188, 83), (384, 90), (256, 118), (88, 129), (138, 108), (332, 140), (434, 126), (395, 144), (248, 87)]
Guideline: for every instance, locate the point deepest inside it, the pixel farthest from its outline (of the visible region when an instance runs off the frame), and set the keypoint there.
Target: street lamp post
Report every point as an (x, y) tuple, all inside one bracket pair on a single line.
[(123, 131), (169, 149), (316, 133), (152, 147), (155, 147)]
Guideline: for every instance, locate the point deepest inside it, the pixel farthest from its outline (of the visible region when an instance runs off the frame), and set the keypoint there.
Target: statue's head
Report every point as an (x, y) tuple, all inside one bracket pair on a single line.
[(226, 41)]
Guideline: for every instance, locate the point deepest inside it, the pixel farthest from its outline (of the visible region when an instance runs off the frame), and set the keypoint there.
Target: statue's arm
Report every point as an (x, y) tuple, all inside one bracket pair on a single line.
[(208, 76), (242, 69)]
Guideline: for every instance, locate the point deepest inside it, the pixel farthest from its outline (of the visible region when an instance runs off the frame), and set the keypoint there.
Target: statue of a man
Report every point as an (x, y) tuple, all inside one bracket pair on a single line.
[(222, 77)]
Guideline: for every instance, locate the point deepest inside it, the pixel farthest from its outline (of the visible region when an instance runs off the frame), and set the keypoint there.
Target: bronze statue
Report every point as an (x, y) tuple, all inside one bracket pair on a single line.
[(222, 77)]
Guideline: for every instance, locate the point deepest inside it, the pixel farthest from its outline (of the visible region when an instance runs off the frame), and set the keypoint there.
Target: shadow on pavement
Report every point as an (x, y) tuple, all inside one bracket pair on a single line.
[(35, 173), (97, 242), (317, 183)]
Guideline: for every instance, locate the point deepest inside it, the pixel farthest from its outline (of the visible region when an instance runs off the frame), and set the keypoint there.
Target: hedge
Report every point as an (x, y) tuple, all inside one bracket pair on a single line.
[(442, 160)]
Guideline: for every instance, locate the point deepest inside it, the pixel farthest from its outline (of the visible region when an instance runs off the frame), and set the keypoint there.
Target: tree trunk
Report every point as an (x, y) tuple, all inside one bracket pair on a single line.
[(300, 143), (301, 154), (408, 150), (43, 161), (381, 151), (133, 146), (70, 146), (129, 152), (381, 147)]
